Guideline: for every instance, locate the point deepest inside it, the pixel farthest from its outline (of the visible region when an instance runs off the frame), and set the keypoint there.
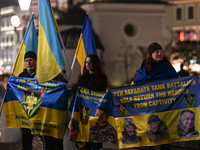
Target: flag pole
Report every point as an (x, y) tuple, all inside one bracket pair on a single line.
[(63, 46), (1, 106), (72, 65)]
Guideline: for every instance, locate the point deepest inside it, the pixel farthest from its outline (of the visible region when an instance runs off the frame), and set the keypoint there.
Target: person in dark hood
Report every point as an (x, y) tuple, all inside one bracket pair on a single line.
[(185, 127), (129, 133), (159, 131)]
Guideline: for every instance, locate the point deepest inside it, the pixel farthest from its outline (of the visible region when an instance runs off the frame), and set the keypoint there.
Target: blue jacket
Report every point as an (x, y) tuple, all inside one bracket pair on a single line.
[(161, 72)]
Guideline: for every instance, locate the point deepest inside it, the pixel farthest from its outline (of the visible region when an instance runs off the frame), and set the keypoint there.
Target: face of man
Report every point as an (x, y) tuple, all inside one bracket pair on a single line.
[(101, 117), (130, 130), (187, 119), (30, 65), (157, 55), (155, 126)]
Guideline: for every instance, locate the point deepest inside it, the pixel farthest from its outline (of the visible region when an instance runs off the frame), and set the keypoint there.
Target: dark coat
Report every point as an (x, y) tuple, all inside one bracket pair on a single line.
[(59, 77), (130, 139), (184, 131), (161, 135), (106, 133)]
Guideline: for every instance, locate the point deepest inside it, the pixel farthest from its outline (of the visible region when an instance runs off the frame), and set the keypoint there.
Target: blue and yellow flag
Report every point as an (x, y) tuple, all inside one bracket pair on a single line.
[(39, 107), (92, 117), (29, 43), (157, 112), (86, 44), (50, 61), (149, 114)]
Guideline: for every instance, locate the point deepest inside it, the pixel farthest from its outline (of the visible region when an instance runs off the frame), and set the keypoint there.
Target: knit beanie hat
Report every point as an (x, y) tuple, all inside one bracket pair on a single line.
[(153, 47), (153, 118), (129, 122), (30, 54)]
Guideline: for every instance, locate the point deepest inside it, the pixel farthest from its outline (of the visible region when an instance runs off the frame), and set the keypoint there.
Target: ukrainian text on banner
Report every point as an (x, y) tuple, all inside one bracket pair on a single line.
[(39, 107), (157, 112), (92, 118)]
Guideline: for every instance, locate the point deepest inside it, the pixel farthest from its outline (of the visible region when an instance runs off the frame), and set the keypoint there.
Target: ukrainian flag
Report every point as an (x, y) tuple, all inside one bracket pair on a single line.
[(50, 61), (86, 44), (42, 108), (29, 43)]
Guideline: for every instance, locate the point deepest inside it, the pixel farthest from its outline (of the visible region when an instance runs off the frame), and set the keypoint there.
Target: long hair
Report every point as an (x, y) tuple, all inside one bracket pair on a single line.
[(149, 61), (96, 65), (96, 68)]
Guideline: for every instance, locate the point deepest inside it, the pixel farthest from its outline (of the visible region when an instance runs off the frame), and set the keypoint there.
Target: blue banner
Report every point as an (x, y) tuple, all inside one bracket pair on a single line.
[(39, 107), (157, 112), (92, 117)]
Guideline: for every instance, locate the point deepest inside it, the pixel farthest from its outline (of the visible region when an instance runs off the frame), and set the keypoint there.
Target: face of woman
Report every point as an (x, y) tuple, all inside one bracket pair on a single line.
[(129, 130), (88, 64), (157, 55)]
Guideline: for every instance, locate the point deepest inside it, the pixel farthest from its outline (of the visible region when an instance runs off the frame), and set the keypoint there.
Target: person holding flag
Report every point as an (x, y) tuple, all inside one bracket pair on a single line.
[(30, 59), (155, 67), (27, 51), (92, 73), (93, 78), (47, 61)]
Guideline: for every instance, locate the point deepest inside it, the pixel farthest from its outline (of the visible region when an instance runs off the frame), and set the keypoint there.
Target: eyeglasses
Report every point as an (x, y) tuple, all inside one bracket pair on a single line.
[(158, 51)]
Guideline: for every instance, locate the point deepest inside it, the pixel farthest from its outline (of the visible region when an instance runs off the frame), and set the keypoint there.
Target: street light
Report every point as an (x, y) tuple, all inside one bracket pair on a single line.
[(24, 4), (15, 21)]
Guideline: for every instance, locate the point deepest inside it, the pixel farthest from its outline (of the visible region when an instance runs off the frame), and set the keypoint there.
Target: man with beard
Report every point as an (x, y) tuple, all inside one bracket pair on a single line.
[(129, 133), (30, 59), (185, 127)]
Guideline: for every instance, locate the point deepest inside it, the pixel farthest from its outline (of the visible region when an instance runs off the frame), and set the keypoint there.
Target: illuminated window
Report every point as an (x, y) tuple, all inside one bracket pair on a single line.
[(191, 35), (181, 36)]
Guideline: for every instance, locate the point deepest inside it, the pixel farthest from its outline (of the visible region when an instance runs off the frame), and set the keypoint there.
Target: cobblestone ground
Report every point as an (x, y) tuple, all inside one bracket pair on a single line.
[(37, 145)]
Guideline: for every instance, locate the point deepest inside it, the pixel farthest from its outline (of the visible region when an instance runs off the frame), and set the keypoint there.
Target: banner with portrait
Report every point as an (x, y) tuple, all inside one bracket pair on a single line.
[(92, 117), (157, 112), (39, 107)]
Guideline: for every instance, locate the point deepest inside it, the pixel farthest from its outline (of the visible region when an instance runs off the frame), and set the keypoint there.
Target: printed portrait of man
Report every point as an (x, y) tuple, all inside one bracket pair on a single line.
[(185, 127), (129, 133), (102, 131), (158, 130), (74, 130)]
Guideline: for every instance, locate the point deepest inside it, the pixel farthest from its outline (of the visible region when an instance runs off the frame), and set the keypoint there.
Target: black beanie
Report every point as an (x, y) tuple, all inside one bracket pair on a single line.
[(153, 118), (153, 47), (30, 54)]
